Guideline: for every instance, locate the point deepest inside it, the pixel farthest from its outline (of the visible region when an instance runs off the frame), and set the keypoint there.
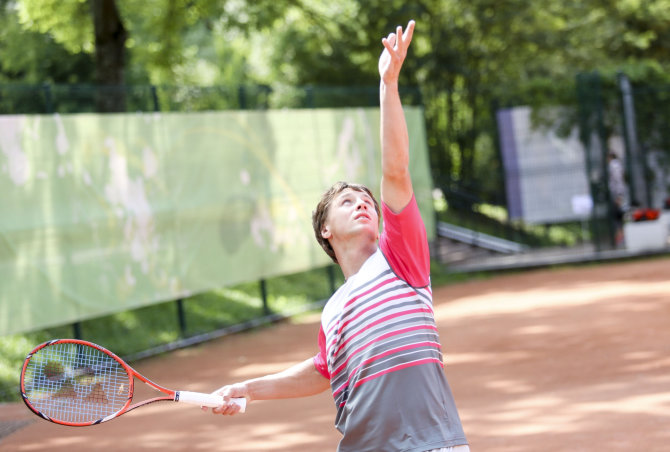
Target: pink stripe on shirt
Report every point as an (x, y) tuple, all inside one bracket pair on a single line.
[(378, 339), (382, 355), (367, 292), (377, 322)]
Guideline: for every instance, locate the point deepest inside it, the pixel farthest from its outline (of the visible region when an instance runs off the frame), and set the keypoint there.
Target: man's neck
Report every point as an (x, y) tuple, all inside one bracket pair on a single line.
[(351, 260)]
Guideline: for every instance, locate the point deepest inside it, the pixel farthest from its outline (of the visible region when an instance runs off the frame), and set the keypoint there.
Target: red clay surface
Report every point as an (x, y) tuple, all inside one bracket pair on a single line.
[(555, 360)]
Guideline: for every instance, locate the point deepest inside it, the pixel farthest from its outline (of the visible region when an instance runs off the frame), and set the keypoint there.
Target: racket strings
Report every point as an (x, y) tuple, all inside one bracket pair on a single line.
[(75, 383)]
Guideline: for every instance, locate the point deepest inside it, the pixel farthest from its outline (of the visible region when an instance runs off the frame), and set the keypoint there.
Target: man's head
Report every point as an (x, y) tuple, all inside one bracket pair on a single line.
[(320, 216)]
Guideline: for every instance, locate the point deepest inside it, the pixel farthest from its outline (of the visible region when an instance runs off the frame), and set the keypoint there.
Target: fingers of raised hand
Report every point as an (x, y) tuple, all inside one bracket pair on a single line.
[(409, 31), (389, 42), (399, 41)]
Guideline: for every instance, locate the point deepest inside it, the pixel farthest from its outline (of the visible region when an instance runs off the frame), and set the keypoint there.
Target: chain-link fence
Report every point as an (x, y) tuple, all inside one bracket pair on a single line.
[(628, 122), (48, 98), (600, 108)]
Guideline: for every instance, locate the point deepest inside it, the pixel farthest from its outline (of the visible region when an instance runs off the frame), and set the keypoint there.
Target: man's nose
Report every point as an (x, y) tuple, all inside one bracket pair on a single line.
[(361, 205)]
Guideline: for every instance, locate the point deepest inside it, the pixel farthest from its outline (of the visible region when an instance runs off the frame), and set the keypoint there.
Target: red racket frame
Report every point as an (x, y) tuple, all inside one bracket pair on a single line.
[(170, 394)]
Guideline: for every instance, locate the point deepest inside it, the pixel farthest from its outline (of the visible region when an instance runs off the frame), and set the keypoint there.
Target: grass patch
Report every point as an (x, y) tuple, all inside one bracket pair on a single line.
[(441, 275), (490, 220), (494, 220)]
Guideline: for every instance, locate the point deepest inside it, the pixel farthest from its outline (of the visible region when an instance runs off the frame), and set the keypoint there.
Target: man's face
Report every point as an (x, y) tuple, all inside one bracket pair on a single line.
[(351, 212)]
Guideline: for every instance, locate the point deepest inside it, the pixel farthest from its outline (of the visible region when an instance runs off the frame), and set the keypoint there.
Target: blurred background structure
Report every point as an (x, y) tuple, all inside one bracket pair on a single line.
[(521, 103)]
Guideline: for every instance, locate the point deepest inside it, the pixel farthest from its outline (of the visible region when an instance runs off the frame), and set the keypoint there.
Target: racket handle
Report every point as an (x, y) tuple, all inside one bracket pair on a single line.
[(210, 400)]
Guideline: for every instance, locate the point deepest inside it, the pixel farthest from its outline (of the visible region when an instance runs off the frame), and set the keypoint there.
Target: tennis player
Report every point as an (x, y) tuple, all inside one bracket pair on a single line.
[(379, 350)]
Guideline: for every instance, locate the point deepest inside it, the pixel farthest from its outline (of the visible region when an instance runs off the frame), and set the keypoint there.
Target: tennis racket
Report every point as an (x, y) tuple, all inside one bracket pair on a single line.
[(78, 383)]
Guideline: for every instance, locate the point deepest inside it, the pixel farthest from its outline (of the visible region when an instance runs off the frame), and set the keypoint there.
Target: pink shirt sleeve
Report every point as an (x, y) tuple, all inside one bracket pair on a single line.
[(320, 362), (404, 243)]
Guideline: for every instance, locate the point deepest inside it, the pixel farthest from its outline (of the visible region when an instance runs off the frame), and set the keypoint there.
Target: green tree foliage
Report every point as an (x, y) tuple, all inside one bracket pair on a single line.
[(469, 57), (31, 56)]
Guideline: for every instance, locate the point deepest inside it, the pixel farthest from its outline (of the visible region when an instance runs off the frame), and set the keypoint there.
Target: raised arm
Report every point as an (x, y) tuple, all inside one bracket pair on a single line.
[(396, 184)]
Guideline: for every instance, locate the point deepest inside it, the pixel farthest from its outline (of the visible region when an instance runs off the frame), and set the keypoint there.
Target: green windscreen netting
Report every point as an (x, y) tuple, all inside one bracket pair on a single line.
[(105, 212)]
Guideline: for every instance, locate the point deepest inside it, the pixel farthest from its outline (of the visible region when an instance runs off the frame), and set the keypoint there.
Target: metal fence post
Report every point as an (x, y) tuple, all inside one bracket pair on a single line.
[(264, 296), (76, 330), (331, 278), (181, 317), (154, 98), (48, 98)]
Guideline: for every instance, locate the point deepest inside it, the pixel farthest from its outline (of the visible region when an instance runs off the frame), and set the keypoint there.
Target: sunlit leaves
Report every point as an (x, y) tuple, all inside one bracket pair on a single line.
[(68, 21)]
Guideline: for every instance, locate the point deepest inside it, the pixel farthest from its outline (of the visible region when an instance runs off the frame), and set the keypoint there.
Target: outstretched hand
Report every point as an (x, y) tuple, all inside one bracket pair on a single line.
[(228, 392), (395, 51)]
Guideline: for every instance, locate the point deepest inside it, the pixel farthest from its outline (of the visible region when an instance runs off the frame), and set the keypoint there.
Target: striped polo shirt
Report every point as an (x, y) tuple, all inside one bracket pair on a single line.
[(380, 348)]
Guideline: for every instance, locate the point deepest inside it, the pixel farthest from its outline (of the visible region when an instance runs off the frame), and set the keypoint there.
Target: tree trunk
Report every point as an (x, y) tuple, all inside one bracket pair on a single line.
[(110, 46)]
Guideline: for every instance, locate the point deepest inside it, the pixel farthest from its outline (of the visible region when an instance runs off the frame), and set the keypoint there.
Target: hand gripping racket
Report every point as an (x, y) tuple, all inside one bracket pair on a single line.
[(78, 383)]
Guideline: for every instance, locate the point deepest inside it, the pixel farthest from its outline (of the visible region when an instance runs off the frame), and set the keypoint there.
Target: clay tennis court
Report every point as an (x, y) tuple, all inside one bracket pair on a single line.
[(572, 359)]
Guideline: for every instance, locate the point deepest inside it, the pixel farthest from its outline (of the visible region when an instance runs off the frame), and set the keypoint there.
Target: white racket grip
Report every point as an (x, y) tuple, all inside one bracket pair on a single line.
[(210, 400)]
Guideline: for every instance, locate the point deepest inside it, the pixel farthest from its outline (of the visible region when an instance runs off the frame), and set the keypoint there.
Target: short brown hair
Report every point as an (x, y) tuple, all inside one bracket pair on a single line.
[(320, 214)]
